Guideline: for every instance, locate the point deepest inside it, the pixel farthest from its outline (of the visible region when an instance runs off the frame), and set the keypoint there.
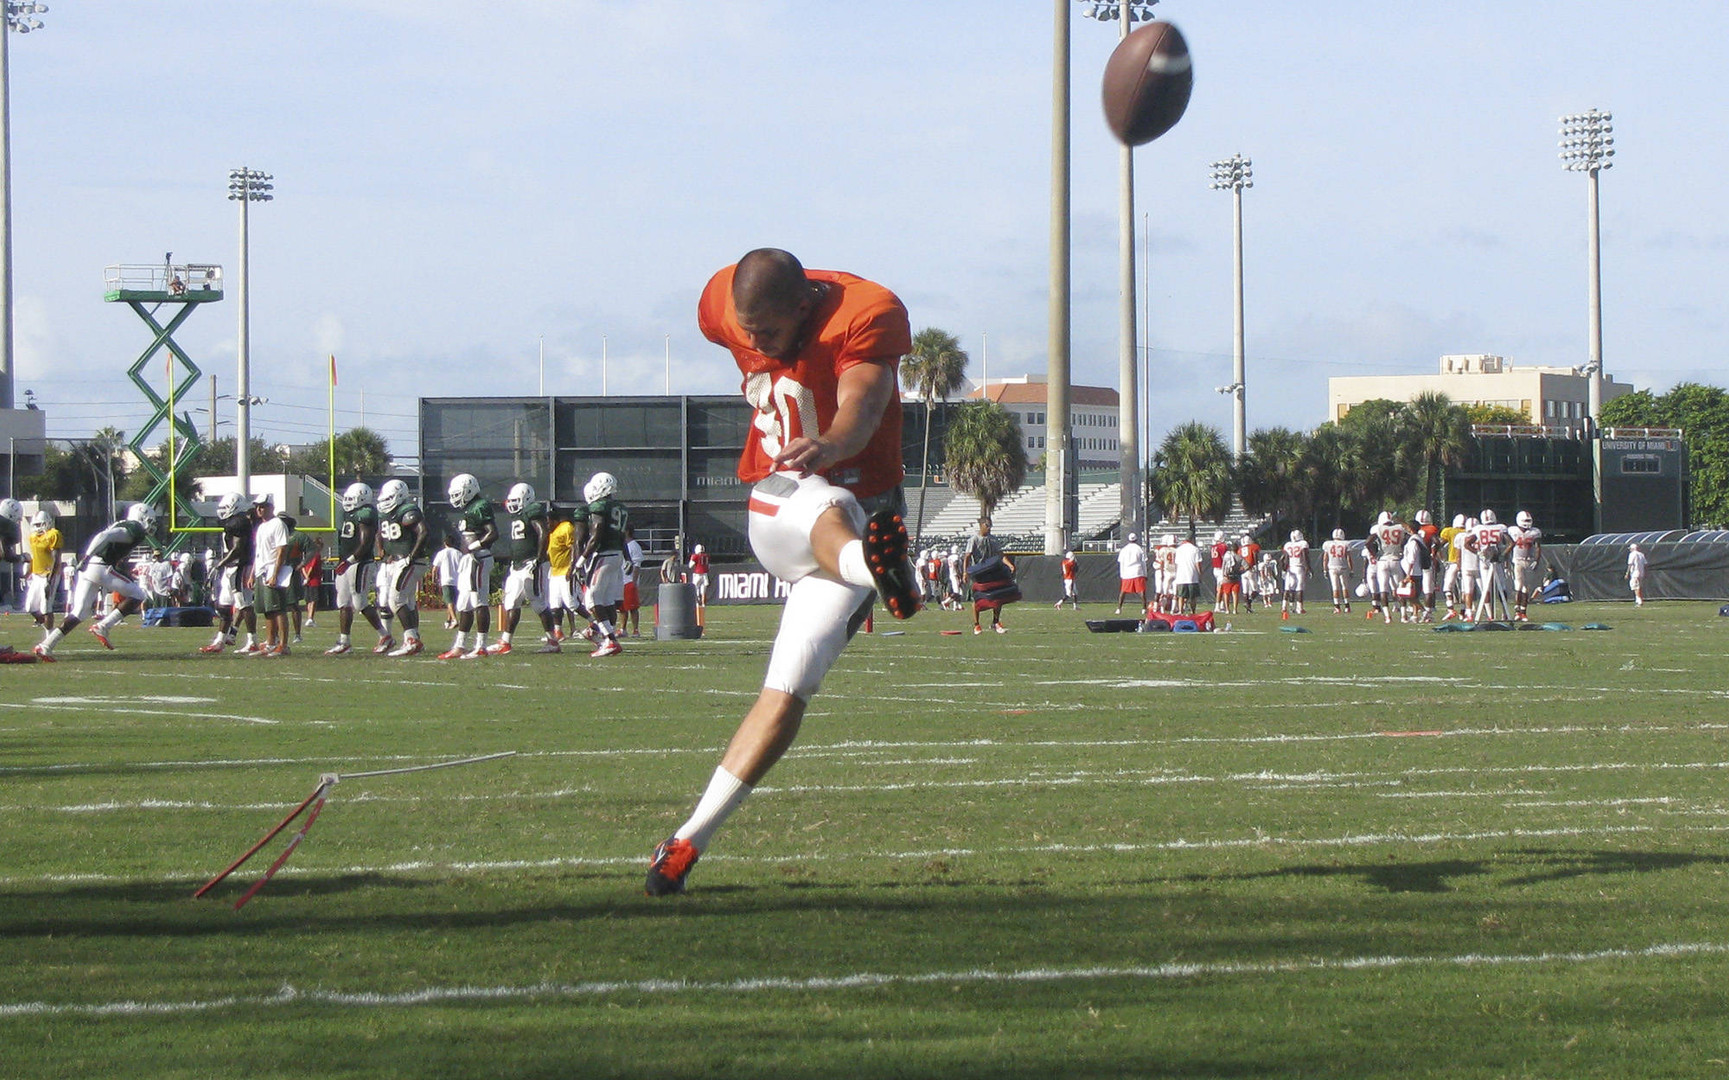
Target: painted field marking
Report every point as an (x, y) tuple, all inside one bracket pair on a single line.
[(806, 984), (120, 709)]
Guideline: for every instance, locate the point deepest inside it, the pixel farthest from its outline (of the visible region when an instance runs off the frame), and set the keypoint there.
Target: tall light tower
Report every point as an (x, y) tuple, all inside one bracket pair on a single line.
[(1124, 13), (1057, 364), (20, 18), (245, 186), (1587, 146), (1233, 175)]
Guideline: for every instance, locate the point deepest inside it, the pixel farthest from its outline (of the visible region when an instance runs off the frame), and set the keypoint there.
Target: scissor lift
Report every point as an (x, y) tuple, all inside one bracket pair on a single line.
[(146, 288)]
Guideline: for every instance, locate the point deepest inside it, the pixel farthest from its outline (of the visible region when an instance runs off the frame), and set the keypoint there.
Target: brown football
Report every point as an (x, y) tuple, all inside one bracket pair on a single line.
[(1147, 83)]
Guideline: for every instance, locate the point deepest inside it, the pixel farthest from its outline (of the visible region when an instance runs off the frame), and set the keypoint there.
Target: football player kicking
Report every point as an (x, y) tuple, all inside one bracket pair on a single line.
[(525, 534), (478, 529), (103, 570), (402, 559), (356, 540), (818, 351)]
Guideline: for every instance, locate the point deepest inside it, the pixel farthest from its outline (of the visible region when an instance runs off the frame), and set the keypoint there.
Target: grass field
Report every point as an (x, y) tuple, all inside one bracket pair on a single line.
[(1363, 851)]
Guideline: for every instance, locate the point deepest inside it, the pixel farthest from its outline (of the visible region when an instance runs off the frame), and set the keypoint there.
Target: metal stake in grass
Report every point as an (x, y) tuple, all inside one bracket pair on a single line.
[(316, 801)]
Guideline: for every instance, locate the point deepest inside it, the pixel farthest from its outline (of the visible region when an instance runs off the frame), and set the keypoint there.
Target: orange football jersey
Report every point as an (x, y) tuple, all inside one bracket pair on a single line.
[(856, 322)]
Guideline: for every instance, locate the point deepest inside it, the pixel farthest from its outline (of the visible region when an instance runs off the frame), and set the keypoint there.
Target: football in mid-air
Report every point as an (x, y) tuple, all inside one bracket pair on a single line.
[(1147, 83)]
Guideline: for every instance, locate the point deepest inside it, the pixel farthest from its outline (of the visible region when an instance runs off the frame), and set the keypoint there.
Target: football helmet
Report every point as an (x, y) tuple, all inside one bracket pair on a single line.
[(1489, 518), (1470, 523), (393, 494), (1386, 518), (698, 550), (355, 496), (1458, 521), (144, 514), (1068, 554), (1169, 541), (599, 486), (464, 489), (228, 505), (1219, 537), (1424, 518), (42, 521), (1523, 519), (1338, 534), (519, 496), (1296, 534), (11, 510)]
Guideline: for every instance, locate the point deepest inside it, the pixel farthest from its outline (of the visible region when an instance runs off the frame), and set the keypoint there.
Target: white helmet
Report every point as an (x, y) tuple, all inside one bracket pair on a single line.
[(1489, 518), (1338, 534), (1386, 518), (42, 521), (464, 489), (599, 486), (1131, 538), (1244, 539), (1458, 521), (1296, 534), (1168, 540), (1219, 537), (1523, 519), (228, 505), (519, 496), (1423, 517), (1470, 523), (393, 494), (11, 510), (1068, 554), (356, 496), (144, 514), (698, 550)]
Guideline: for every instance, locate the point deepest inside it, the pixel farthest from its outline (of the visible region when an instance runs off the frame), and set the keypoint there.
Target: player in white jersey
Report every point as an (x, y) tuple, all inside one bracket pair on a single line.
[(1418, 565), (1449, 554), (1490, 539), (1296, 574), (1337, 553), (1467, 543), (1165, 573), (1636, 566), (1526, 541)]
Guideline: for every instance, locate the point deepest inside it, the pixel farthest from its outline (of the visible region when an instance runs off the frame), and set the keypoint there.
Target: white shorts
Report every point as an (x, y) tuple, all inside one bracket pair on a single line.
[(1296, 580), (39, 594), (473, 582), (351, 587), (230, 593), (96, 579), (821, 614), (605, 580), (560, 595), (700, 583), (1634, 581), (398, 583), (783, 510), (1524, 575), (526, 584)]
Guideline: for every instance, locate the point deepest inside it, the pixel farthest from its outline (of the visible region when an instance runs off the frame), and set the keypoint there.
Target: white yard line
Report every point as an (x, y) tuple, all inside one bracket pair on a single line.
[(818, 984)]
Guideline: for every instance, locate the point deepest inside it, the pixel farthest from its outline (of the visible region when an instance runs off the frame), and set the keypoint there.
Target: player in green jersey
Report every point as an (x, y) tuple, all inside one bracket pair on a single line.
[(604, 556), (103, 570), (525, 542), (402, 560), (356, 541), (478, 530)]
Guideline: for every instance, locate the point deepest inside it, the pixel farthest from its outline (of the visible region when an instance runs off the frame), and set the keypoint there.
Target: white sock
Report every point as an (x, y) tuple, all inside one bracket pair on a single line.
[(479, 640), (53, 638), (249, 641), (108, 621), (853, 568), (461, 640), (725, 794), (505, 637), (342, 639)]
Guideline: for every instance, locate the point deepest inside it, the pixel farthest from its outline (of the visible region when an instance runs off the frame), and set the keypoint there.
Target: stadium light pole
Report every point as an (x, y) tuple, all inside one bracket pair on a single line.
[(1234, 174), (1057, 366), (1124, 13), (1588, 146), (245, 186), (21, 19)]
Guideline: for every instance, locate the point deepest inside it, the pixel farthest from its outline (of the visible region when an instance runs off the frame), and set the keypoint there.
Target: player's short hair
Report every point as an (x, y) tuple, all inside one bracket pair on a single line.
[(769, 279)]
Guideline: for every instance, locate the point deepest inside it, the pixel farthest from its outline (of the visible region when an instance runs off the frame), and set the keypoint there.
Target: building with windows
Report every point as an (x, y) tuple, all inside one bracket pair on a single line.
[(1553, 397), (1092, 418)]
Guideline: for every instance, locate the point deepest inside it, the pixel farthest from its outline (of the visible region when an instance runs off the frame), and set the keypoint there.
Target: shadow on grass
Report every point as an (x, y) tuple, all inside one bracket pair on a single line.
[(1442, 875)]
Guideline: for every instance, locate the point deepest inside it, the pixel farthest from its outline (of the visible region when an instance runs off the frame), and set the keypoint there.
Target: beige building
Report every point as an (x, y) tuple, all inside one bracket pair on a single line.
[(1548, 396), (1092, 418)]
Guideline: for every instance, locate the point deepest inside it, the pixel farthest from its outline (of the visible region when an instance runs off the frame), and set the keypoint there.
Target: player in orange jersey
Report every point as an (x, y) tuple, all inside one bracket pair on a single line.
[(819, 351)]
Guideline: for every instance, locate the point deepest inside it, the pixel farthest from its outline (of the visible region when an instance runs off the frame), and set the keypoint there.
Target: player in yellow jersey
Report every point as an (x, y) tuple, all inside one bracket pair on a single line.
[(560, 546), (44, 569)]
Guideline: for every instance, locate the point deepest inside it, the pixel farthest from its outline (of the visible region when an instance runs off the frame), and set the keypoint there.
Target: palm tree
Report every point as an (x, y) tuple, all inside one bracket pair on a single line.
[(933, 370), (1270, 476), (1440, 435), (1191, 474), (984, 453)]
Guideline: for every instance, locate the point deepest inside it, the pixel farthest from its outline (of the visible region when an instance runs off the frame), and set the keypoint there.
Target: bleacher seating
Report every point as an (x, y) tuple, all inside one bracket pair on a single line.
[(1019, 520)]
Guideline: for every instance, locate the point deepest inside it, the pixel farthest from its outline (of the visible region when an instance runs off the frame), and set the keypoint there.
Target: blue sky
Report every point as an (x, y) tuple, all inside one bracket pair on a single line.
[(456, 181)]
